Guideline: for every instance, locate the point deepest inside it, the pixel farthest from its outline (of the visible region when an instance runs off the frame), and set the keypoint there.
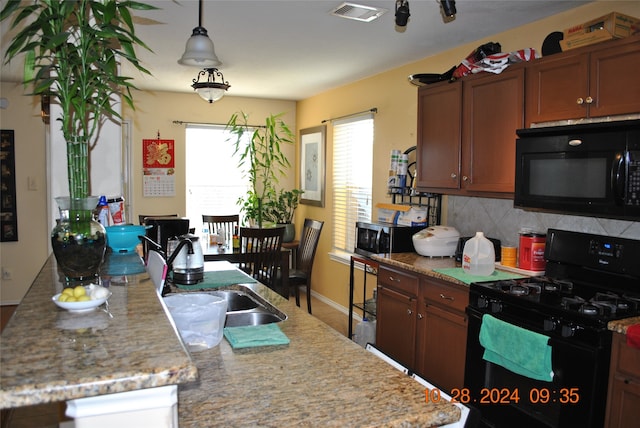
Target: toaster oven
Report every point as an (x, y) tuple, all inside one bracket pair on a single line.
[(384, 238)]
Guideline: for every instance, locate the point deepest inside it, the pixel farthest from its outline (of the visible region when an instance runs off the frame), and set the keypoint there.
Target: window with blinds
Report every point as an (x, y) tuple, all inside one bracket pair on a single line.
[(352, 178)]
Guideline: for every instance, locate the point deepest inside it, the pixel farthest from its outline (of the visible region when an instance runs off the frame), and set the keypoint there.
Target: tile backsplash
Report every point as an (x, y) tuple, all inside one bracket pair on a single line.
[(497, 218)]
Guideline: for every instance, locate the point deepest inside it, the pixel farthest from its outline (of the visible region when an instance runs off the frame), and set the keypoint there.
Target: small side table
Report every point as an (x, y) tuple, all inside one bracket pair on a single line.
[(370, 266)]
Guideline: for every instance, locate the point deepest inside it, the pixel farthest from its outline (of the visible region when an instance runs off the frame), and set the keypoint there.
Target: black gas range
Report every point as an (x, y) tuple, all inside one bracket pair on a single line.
[(589, 281)]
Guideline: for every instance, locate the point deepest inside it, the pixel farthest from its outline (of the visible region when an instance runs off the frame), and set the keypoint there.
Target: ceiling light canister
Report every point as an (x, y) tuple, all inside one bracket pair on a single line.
[(449, 8), (199, 51), (210, 90), (402, 13)]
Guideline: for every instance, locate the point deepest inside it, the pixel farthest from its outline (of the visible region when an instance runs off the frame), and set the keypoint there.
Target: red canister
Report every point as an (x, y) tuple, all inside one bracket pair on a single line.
[(531, 251)]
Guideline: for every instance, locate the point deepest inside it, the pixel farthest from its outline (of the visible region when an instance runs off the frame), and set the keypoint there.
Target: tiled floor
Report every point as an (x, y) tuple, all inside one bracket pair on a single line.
[(47, 416)]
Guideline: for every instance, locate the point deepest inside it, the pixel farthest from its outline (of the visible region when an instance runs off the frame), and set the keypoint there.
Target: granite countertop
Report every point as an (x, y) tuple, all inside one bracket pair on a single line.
[(620, 326), (420, 264), (320, 379), (48, 354)]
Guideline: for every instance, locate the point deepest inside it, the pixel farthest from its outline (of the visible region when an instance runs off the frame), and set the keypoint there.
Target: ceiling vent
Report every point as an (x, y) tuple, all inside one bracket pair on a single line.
[(358, 12)]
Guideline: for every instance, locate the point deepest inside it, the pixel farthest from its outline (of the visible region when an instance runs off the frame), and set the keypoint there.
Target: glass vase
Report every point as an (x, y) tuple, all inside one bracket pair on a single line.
[(79, 242)]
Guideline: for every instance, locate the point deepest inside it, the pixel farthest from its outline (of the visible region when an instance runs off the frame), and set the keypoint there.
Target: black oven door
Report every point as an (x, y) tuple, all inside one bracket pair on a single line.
[(575, 398)]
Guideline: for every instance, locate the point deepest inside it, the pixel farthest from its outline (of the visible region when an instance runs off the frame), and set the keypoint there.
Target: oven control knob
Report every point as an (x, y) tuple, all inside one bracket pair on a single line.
[(496, 306), (482, 302), (550, 324), (568, 330)]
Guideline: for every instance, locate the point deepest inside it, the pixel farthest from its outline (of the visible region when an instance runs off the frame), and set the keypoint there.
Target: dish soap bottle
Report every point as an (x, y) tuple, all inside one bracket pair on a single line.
[(478, 256)]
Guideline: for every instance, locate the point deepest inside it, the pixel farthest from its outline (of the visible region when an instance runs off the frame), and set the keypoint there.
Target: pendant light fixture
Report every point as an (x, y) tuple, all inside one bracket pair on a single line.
[(199, 51), (210, 90)]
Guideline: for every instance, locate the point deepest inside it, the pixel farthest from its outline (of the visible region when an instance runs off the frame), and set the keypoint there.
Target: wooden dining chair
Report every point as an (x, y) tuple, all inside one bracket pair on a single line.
[(228, 223), (262, 250), (305, 254)]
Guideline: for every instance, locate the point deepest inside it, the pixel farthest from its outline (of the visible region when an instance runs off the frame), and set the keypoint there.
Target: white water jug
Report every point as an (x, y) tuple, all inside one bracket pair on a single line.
[(478, 256)]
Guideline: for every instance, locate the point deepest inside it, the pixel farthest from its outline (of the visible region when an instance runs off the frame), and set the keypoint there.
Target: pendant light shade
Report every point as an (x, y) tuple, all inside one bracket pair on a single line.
[(210, 90), (199, 51)]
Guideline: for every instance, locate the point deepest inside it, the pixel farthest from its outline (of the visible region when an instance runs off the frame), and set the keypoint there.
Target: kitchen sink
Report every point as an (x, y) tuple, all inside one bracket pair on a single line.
[(245, 307), (243, 318), (236, 300)]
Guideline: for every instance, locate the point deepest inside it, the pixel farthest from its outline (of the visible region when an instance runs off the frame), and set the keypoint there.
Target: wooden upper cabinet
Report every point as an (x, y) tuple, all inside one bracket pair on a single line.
[(493, 108), (438, 145), (594, 81)]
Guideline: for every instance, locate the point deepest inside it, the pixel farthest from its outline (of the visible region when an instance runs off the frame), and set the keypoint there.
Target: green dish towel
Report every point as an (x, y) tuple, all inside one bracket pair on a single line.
[(521, 351), (219, 278), (461, 275), (255, 335)]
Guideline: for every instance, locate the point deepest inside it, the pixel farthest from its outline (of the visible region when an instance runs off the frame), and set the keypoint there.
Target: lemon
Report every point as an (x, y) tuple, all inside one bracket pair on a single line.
[(63, 298), (79, 291), (71, 299), (68, 291), (84, 298)]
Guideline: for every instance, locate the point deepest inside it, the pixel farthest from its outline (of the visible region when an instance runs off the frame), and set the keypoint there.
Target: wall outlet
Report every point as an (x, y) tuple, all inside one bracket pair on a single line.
[(7, 274)]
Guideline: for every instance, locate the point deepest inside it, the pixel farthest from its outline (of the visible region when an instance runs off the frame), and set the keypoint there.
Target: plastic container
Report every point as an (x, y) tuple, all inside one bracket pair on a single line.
[(103, 212), (365, 332), (478, 256), (199, 317)]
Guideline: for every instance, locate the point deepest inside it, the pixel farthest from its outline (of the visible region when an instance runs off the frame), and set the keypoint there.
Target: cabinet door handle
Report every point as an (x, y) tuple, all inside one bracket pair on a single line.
[(454, 175), (394, 279), (465, 178), (579, 101), (442, 296), (420, 316), (409, 312), (589, 100)]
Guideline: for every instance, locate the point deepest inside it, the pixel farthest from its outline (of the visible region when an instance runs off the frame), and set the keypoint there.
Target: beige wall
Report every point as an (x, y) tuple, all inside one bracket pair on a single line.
[(156, 112), (25, 257), (395, 123)]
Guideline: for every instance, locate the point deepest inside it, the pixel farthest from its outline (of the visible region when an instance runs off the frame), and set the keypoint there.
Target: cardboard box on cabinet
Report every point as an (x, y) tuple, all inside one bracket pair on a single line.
[(607, 27)]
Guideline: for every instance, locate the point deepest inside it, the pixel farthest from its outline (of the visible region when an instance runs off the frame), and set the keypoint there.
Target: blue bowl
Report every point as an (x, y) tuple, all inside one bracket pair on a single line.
[(124, 238)]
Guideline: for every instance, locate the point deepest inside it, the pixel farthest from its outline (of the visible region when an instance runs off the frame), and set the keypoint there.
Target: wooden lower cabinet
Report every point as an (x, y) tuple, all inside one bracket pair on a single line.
[(421, 324), (396, 325), (623, 402), (442, 347)]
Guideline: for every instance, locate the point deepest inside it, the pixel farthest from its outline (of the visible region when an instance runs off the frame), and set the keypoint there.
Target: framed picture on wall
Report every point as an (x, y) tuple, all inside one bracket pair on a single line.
[(312, 165), (8, 207)]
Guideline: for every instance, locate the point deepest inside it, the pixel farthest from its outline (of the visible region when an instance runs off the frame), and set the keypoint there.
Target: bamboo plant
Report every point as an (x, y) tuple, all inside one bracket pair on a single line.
[(262, 158), (73, 50)]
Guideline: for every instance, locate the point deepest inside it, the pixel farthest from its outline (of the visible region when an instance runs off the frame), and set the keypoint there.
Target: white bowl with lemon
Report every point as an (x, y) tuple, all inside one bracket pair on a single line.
[(81, 298)]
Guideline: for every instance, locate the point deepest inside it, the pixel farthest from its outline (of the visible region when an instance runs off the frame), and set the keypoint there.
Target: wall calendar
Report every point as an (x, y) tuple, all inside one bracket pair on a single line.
[(158, 173)]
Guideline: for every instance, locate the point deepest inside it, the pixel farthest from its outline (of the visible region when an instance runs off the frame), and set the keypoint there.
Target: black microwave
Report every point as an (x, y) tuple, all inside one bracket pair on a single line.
[(588, 169), (384, 238)]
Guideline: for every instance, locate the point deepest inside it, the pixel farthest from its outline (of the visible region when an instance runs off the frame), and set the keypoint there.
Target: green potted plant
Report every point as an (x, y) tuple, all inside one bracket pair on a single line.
[(73, 51), (263, 161), (280, 210)]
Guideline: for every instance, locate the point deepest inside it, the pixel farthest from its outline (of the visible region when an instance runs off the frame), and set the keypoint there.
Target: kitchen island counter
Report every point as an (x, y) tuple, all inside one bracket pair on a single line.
[(48, 354), (320, 378)]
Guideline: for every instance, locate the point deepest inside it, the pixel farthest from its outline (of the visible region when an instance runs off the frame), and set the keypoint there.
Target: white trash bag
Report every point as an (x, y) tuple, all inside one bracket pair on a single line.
[(199, 317)]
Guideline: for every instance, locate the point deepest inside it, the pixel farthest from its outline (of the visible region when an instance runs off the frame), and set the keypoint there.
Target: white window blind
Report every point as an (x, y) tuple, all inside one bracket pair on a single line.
[(352, 177)]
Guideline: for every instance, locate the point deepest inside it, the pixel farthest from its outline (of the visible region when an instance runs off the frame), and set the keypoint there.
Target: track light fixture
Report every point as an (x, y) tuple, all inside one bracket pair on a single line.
[(199, 51), (210, 90), (402, 13), (449, 8)]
